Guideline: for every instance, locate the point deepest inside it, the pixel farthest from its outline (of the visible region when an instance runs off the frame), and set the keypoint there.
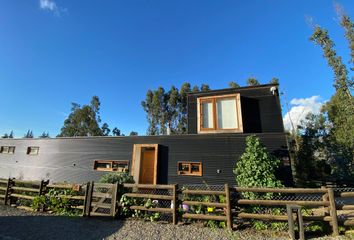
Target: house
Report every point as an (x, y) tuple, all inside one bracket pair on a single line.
[(218, 123)]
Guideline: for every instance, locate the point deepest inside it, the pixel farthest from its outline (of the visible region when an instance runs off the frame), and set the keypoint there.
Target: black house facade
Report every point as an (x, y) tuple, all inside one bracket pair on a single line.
[(218, 123)]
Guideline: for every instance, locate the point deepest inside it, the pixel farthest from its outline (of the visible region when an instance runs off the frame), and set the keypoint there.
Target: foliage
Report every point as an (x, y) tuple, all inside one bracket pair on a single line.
[(233, 85), (166, 111), (126, 202), (117, 177), (29, 134), (39, 202), (256, 168), (201, 209), (274, 80), (44, 135), (326, 148), (85, 121), (313, 152), (6, 135), (56, 201), (133, 133), (252, 81)]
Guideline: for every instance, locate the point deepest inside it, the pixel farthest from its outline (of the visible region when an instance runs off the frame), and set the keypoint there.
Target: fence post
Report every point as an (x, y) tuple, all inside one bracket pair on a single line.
[(174, 201), (8, 189), (333, 212), (85, 199), (228, 207), (114, 199), (325, 199), (88, 199)]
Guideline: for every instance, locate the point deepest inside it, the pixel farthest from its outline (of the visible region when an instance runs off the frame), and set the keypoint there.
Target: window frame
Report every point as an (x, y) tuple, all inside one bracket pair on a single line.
[(214, 99), (111, 162), (189, 172), (32, 147), (8, 151)]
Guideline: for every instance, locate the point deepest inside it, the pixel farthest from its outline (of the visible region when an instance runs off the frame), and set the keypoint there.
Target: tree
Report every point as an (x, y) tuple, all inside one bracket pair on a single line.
[(168, 110), (29, 134), (6, 135), (105, 129), (274, 80), (116, 132), (339, 110), (233, 85), (133, 133), (256, 167), (44, 135), (84, 121), (204, 87), (252, 81)]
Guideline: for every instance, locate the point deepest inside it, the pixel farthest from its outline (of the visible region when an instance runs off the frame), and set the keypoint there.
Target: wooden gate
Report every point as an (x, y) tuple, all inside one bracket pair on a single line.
[(101, 200)]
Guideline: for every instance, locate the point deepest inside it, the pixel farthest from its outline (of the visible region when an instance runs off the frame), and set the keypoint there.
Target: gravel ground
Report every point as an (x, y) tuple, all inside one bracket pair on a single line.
[(18, 224)]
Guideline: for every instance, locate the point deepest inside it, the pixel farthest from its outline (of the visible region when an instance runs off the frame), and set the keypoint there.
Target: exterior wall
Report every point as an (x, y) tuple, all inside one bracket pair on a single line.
[(261, 110), (71, 159)]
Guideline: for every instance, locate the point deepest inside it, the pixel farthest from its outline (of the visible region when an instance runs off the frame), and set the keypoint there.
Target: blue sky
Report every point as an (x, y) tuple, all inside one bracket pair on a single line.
[(54, 52)]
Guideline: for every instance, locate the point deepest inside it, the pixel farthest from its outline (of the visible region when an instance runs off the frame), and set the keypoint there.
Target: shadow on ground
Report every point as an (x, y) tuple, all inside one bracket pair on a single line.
[(56, 227)]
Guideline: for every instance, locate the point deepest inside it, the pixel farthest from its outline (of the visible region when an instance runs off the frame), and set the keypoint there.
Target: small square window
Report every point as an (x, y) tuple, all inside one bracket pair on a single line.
[(190, 168), (32, 150)]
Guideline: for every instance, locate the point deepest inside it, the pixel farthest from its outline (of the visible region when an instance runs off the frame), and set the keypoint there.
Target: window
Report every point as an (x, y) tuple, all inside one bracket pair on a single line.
[(111, 165), (190, 168), (219, 114), (7, 150), (32, 150)]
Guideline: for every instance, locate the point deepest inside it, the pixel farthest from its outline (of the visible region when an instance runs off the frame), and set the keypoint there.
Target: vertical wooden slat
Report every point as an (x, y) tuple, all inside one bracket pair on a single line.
[(86, 198), (89, 199), (8, 189), (114, 199), (175, 203), (290, 222), (228, 208), (325, 199), (300, 221), (333, 212)]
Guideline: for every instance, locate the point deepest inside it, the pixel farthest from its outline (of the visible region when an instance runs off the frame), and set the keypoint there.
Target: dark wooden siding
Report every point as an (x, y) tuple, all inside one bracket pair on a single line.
[(71, 159), (261, 110)]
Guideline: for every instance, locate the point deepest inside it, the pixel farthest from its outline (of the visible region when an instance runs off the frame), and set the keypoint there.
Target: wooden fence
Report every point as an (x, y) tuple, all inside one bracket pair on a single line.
[(335, 206)]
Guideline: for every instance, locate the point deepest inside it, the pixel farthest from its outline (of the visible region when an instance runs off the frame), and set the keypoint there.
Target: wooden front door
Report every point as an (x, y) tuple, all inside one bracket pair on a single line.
[(147, 166)]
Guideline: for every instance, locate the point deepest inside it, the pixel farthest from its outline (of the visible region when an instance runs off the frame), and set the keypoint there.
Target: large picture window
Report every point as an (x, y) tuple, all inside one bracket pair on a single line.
[(219, 114)]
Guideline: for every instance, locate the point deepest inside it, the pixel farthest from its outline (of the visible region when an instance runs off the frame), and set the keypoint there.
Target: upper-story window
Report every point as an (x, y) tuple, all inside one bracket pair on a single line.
[(219, 114), (7, 149)]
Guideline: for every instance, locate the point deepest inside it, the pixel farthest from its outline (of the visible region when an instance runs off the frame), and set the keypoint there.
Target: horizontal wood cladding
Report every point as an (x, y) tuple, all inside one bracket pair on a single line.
[(261, 111), (71, 159)]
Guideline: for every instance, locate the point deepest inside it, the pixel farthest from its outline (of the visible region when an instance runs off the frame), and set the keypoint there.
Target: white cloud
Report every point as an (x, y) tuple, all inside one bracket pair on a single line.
[(50, 5), (300, 107)]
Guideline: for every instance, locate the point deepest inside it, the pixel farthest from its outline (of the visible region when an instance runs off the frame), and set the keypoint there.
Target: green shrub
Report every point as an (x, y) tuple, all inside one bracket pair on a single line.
[(117, 177), (256, 168)]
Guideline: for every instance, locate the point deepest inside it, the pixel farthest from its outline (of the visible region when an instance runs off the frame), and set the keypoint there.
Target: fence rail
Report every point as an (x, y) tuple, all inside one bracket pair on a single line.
[(332, 205)]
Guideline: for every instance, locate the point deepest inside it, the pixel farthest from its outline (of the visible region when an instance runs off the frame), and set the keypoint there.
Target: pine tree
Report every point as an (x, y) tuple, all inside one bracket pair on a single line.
[(252, 81), (233, 85), (29, 134), (44, 135)]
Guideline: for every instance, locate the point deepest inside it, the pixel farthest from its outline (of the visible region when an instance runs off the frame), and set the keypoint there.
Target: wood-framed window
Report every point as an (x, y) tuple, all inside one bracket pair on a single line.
[(32, 150), (111, 165), (7, 149), (219, 114), (190, 168)]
